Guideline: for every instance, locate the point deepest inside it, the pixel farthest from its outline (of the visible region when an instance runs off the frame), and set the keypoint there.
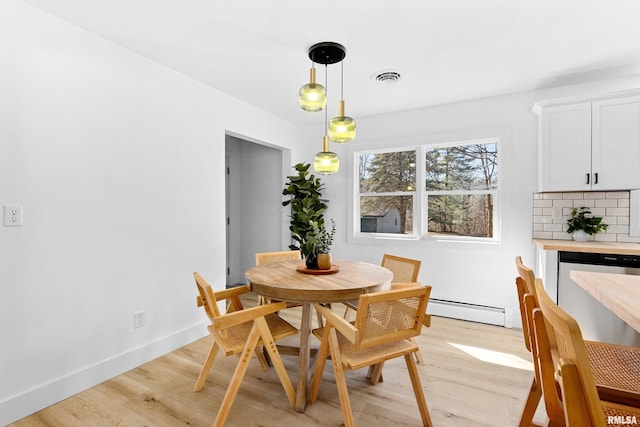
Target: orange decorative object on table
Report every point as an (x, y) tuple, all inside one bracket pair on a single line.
[(303, 269)]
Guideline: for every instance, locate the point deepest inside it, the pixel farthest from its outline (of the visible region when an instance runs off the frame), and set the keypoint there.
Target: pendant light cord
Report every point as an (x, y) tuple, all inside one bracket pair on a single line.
[(327, 90), (342, 80)]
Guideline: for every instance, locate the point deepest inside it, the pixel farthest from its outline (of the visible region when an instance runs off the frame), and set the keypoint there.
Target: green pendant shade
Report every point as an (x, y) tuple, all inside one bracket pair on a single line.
[(313, 96), (342, 128), (326, 162)]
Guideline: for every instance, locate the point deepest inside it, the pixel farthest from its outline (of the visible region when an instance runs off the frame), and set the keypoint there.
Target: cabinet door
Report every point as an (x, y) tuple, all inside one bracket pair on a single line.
[(616, 144), (565, 148)]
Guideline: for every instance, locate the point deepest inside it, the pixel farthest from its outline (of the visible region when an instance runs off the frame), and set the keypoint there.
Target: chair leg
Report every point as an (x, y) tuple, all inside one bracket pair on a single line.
[(238, 374), (321, 360), (419, 356), (341, 381), (417, 390), (375, 373), (270, 347), (530, 405), (206, 367), (262, 358)]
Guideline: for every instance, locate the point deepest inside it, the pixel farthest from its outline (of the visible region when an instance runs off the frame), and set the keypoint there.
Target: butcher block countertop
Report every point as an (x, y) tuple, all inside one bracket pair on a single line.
[(617, 292), (619, 248)]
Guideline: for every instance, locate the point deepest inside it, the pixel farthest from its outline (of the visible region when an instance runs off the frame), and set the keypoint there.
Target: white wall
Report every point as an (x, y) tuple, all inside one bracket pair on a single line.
[(473, 273), (119, 164)]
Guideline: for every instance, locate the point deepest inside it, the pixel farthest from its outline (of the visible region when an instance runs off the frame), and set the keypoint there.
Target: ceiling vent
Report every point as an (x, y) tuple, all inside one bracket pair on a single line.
[(386, 77)]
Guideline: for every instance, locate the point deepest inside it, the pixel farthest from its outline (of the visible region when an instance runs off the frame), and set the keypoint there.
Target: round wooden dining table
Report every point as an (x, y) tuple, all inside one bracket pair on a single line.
[(284, 282)]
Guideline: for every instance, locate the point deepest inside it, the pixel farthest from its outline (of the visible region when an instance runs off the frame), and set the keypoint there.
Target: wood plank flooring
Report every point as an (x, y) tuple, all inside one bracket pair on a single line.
[(474, 375)]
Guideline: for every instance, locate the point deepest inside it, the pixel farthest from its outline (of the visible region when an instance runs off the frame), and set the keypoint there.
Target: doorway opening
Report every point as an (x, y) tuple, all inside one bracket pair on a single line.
[(256, 220)]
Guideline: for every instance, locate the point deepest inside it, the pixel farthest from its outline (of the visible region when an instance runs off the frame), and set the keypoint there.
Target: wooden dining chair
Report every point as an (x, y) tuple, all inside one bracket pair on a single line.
[(566, 376), (405, 275), (384, 325), (241, 332), (267, 257), (405, 270), (535, 392), (616, 368), (263, 258)]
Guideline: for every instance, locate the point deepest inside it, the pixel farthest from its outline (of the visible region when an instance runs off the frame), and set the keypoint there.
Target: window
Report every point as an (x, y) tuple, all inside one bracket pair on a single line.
[(452, 194), (387, 184)]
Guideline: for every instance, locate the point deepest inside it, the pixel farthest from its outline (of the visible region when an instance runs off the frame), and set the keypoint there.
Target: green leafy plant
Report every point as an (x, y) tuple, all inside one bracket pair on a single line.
[(581, 219), (320, 239), (306, 205)]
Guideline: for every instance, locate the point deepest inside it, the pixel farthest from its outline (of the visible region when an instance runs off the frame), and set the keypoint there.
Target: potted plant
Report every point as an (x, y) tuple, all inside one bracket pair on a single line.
[(320, 240), (581, 225), (306, 206)]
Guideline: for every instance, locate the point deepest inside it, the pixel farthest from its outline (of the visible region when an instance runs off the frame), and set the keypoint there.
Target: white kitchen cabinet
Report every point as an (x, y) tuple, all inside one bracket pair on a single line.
[(592, 145)]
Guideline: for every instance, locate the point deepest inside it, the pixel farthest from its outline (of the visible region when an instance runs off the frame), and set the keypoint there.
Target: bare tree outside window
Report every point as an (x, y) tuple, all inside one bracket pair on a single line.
[(461, 182), (387, 188)]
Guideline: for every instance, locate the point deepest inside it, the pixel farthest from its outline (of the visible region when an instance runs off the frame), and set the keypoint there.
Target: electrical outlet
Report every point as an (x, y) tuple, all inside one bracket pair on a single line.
[(13, 215), (138, 319), (557, 212)]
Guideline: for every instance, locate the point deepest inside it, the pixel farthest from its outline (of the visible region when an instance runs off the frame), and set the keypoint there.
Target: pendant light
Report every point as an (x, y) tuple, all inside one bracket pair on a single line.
[(342, 128), (313, 96), (326, 162)]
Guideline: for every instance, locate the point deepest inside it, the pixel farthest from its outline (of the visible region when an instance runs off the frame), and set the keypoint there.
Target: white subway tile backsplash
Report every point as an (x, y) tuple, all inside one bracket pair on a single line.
[(587, 203), (617, 195), (617, 211), (617, 229), (565, 203), (613, 206), (594, 195), (553, 227), (573, 196), (607, 203), (551, 196), (604, 237), (540, 203)]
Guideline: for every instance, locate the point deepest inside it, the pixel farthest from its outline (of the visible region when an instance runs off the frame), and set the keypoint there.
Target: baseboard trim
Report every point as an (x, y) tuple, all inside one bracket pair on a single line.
[(471, 312), (35, 399)]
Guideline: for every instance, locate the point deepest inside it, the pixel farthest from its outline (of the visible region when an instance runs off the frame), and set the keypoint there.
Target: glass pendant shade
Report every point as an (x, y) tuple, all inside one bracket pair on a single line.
[(313, 96), (326, 162), (342, 128)]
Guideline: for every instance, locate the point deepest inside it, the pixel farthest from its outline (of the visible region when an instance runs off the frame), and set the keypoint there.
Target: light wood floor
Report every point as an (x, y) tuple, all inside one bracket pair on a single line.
[(474, 375)]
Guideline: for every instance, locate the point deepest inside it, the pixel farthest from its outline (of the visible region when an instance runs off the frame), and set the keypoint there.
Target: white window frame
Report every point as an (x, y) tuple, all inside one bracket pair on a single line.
[(420, 196)]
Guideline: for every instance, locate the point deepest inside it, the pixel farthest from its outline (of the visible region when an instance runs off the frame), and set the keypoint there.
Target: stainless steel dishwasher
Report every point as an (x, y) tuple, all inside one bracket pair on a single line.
[(596, 322)]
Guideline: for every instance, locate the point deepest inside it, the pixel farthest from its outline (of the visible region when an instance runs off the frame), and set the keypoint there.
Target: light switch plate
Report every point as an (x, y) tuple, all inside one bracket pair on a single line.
[(12, 215)]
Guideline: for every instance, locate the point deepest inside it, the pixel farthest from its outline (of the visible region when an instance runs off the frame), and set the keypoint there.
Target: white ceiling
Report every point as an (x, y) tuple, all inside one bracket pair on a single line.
[(445, 50)]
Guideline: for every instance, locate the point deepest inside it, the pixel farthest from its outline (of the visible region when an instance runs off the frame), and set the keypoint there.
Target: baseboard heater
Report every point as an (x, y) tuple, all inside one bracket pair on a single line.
[(472, 312)]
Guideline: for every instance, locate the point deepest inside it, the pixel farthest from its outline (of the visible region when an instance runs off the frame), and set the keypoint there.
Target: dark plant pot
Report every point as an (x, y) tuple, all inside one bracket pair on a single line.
[(311, 261)]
